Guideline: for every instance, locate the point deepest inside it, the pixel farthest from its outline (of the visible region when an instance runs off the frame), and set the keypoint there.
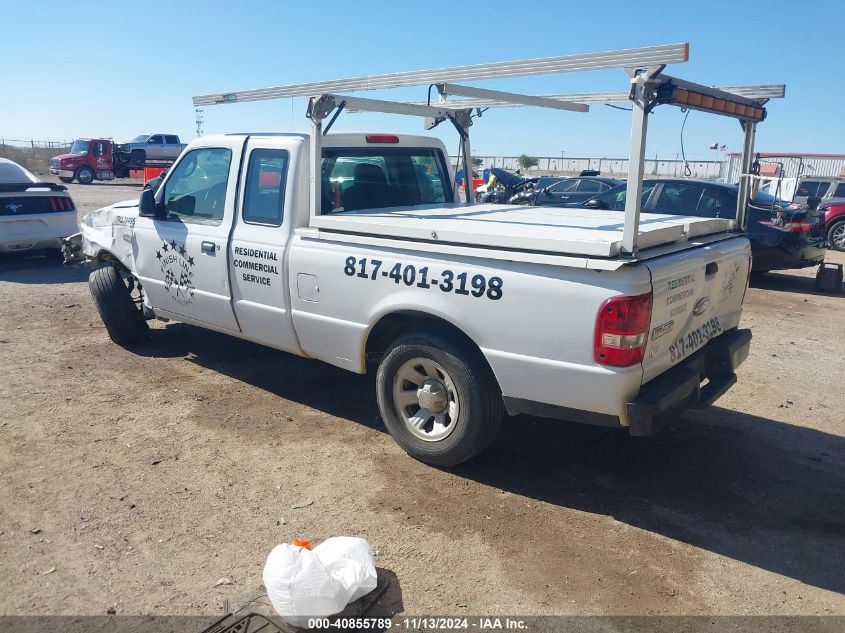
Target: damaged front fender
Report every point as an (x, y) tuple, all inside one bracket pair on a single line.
[(109, 230)]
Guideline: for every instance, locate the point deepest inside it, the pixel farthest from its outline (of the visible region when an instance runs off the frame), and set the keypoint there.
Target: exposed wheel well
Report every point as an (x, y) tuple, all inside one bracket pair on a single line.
[(392, 325)]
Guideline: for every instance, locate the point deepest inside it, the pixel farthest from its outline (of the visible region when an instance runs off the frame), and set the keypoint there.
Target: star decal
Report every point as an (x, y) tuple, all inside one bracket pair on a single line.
[(173, 244), (190, 261), (158, 254), (182, 250), (165, 246)]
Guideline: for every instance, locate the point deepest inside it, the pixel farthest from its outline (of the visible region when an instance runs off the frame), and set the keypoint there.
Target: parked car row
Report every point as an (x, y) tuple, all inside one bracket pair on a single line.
[(783, 234)]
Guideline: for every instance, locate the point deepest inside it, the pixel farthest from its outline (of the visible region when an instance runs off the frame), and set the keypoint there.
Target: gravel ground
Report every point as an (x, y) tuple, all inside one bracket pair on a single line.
[(134, 480)]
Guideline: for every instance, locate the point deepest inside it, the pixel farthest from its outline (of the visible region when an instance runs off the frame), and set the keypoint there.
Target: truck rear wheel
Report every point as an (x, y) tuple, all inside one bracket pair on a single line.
[(85, 175), (438, 398), (122, 316)]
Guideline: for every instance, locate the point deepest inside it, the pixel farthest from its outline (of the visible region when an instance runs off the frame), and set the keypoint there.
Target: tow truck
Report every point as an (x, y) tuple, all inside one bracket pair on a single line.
[(463, 311), (91, 159)]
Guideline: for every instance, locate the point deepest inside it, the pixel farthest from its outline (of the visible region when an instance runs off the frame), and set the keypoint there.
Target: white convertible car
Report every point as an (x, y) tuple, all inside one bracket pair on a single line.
[(33, 214)]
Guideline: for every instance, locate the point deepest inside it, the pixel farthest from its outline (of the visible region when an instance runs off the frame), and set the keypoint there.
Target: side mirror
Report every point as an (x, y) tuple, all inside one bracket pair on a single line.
[(147, 207), (595, 203)]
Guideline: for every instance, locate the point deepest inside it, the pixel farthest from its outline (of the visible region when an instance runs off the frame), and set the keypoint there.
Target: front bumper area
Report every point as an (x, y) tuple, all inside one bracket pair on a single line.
[(664, 398)]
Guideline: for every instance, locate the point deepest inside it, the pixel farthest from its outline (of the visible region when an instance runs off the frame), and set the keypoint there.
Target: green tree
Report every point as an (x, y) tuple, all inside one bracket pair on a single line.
[(527, 162), (476, 162)]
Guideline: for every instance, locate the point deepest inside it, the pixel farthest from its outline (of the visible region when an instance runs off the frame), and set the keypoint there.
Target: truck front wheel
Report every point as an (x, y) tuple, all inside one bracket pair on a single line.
[(85, 175), (438, 398), (119, 310)]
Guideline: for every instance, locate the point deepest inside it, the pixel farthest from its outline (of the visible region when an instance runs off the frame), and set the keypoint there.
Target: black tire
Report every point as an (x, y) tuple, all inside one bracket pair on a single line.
[(124, 321), (85, 175), (481, 409), (65, 179), (836, 236)]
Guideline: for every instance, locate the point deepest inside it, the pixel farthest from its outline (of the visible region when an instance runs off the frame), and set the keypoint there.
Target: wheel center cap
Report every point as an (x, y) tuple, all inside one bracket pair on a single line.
[(433, 397)]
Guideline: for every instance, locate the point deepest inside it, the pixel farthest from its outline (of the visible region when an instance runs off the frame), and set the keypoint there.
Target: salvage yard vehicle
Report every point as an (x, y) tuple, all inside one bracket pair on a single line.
[(783, 235), (834, 222), (33, 214), (572, 191), (103, 159), (506, 186), (155, 147), (463, 311)]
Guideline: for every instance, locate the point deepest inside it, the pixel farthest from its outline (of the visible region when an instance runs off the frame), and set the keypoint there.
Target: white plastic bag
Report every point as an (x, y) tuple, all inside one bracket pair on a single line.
[(305, 584)]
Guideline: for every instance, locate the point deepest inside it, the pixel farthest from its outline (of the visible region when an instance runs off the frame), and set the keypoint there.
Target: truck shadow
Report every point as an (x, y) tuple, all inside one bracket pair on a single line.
[(786, 282), (38, 268), (763, 492)]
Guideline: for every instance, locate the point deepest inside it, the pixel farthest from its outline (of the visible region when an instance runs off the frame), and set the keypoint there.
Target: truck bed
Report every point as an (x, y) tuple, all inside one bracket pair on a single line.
[(552, 230)]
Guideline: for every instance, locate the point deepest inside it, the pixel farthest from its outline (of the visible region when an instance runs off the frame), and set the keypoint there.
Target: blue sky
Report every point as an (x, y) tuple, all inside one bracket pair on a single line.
[(120, 69)]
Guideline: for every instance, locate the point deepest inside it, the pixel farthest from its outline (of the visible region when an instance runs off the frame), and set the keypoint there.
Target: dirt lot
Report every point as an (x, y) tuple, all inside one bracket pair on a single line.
[(150, 474)]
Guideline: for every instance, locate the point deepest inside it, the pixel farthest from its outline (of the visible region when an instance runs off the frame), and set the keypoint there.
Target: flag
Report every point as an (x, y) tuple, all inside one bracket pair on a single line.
[(714, 146), (723, 148)]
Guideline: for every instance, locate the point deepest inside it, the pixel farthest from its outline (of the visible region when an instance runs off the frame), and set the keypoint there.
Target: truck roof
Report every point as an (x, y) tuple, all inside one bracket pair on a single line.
[(343, 138)]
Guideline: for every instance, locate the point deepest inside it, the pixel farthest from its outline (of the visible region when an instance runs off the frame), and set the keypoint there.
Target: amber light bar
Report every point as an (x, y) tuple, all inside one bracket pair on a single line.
[(687, 95)]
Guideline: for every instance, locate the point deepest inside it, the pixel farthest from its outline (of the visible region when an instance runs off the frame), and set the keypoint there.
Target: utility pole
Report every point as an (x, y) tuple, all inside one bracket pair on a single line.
[(200, 120)]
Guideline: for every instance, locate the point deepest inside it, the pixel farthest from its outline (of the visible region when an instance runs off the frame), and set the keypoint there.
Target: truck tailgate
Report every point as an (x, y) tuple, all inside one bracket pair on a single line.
[(698, 295)]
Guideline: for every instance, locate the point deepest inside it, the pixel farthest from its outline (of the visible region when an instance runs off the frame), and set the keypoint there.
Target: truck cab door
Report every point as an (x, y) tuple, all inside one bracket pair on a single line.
[(182, 259), (155, 145), (260, 241)]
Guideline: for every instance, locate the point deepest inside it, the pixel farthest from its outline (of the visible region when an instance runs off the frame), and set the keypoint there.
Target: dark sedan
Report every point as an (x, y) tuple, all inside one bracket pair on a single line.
[(783, 235), (569, 191)]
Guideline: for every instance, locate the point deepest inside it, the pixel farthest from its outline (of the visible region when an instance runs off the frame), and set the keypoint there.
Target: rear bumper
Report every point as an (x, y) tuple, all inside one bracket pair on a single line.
[(664, 398)]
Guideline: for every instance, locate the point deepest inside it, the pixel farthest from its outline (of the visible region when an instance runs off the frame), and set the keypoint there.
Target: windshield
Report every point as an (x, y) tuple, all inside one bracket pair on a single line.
[(12, 173), (80, 147), (141, 138)]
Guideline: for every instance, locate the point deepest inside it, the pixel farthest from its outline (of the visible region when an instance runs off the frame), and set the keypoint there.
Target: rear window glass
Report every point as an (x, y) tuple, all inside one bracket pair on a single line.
[(840, 190), (379, 177), (265, 186), (812, 188)]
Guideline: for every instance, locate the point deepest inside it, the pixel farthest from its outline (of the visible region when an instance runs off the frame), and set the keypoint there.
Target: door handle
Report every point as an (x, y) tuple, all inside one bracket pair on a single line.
[(208, 247)]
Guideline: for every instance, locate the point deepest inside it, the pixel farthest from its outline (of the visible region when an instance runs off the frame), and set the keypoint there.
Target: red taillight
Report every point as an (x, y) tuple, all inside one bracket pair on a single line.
[(798, 227), (622, 330), (382, 138)]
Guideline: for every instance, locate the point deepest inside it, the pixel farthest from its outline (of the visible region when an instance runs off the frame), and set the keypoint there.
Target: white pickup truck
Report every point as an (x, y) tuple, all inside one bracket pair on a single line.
[(463, 311)]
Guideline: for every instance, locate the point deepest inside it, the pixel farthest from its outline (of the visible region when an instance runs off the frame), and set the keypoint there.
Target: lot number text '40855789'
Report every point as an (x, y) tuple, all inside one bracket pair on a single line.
[(461, 283)]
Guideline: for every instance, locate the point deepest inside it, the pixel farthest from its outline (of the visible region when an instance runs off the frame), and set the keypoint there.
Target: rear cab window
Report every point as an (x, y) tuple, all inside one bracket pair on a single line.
[(265, 187), (378, 177)]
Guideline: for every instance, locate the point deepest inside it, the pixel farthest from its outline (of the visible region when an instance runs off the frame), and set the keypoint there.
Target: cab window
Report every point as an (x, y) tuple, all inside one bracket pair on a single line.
[(379, 177), (265, 187), (156, 140), (196, 188)]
